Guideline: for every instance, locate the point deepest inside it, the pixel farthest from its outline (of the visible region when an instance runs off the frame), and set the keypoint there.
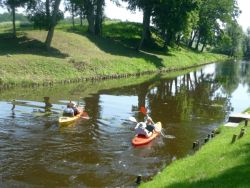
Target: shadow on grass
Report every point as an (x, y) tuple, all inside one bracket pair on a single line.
[(25, 45), (109, 45), (115, 48), (237, 176), (128, 34)]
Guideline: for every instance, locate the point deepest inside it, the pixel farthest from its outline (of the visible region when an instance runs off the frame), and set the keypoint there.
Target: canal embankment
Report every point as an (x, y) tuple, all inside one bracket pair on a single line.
[(75, 56), (222, 162)]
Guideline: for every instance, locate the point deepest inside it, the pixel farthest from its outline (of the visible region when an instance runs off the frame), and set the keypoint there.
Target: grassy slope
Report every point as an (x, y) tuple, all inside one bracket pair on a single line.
[(78, 55), (218, 164)]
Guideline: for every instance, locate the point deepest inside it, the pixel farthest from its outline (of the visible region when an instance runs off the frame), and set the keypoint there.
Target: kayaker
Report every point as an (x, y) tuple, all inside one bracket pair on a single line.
[(141, 129), (68, 111), (75, 108)]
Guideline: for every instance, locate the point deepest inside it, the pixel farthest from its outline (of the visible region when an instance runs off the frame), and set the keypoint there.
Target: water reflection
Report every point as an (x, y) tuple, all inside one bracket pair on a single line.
[(36, 151)]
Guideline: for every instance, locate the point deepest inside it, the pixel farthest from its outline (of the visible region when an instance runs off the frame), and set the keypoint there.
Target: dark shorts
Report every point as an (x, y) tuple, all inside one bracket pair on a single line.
[(68, 114), (150, 128)]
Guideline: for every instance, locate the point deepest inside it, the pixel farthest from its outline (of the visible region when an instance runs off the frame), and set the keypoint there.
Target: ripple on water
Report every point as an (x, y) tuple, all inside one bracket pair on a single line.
[(134, 162), (67, 167)]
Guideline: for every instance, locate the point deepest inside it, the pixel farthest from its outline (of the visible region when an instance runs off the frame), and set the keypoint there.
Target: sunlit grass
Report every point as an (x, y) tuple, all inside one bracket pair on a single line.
[(218, 164), (76, 54)]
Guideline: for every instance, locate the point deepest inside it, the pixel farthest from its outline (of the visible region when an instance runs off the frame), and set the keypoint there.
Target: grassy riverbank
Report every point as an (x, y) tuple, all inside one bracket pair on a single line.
[(76, 55), (218, 164)]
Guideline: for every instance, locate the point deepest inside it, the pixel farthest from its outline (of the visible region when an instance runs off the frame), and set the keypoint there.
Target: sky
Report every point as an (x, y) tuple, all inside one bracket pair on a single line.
[(112, 11), (244, 19)]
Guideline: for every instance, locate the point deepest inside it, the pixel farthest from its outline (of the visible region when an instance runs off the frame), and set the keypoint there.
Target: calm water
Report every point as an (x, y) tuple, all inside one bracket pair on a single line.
[(37, 152)]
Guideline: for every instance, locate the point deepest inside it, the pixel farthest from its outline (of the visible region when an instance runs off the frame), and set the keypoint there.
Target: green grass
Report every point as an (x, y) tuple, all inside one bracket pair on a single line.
[(218, 164), (75, 54), (247, 111)]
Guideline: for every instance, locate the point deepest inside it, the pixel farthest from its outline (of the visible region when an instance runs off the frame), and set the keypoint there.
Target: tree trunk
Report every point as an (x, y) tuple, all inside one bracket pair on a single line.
[(178, 40), (98, 17), (14, 21), (198, 42), (146, 26), (73, 14), (81, 17), (91, 22), (165, 39), (47, 7), (89, 7), (192, 39), (169, 38), (52, 24), (203, 47)]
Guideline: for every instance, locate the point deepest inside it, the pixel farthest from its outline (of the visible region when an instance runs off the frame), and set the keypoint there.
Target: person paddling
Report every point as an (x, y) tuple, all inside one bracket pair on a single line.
[(71, 110), (141, 129), (145, 128)]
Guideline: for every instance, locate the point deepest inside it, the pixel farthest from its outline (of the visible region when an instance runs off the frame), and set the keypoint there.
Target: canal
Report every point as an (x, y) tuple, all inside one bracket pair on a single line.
[(35, 151)]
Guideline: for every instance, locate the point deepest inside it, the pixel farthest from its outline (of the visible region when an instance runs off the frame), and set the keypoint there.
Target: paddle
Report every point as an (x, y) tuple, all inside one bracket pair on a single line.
[(144, 111), (133, 119), (85, 115)]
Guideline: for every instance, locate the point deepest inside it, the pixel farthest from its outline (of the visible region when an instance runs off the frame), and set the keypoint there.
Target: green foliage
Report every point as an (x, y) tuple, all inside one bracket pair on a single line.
[(13, 3), (6, 17), (173, 17), (40, 14), (186, 21), (176, 22), (212, 14), (246, 44), (230, 42)]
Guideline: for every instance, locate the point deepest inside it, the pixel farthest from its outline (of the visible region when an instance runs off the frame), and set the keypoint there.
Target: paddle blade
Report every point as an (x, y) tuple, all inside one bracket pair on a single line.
[(132, 119), (143, 110), (85, 115), (169, 136)]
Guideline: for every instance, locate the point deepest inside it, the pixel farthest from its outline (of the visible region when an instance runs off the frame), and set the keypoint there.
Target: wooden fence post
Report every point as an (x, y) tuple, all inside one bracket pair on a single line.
[(242, 132), (234, 138), (138, 180), (246, 122)]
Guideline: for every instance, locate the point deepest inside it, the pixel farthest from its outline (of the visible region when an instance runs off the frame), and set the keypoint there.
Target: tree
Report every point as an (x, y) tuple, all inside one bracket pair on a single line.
[(147, 8), (71, 6), (213, 14), (89, 6), (52, 24), (6, 17), (230, 42), (11, 6), (93, 9), (40, 13), (246, 44), (99, 16), (173, 19)]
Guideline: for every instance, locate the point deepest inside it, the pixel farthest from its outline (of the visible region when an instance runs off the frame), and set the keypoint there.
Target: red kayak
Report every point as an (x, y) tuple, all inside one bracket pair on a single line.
[(141, 139)]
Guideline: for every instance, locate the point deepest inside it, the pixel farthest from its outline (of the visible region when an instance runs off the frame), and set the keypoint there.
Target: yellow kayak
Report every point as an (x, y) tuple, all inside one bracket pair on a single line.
[(69, 120)]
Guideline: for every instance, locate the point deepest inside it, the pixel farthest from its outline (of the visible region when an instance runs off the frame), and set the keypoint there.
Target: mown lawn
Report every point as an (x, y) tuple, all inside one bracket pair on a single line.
[(75, 54), (219, 163)]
